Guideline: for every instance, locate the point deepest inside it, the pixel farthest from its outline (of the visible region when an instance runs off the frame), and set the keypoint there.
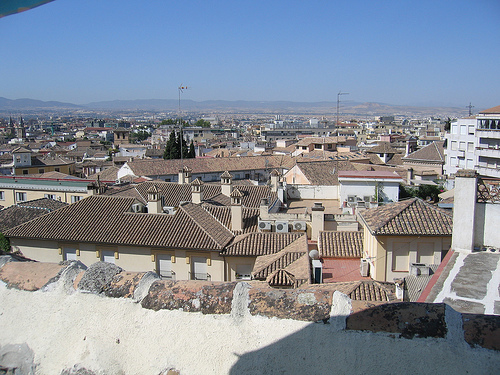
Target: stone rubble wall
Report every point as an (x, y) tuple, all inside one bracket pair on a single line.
[(244, 300)]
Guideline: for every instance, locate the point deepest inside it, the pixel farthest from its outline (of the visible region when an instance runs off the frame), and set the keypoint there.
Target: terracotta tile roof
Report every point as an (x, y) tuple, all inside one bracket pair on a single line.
[(174, 193), (410, 217), (320, 140), (363, 290), (433, 153), (260, 243), (23, 212), (340, 244), (280, 262), (493, 110), (325, 172), (159, 167), (109, 220), (108, 174), (382, 148), (281, 278), (250, 217)]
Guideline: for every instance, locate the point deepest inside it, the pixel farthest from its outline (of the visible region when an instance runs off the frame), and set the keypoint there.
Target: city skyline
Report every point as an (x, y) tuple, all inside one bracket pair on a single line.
[(427, 53)]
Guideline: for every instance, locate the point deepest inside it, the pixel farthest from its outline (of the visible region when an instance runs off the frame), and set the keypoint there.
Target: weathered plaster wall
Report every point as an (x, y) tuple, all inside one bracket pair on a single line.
[(485, 234), (233, 328)]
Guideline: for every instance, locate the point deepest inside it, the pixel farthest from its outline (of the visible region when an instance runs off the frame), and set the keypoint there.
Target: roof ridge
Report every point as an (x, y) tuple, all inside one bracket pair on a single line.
[(193, 219)]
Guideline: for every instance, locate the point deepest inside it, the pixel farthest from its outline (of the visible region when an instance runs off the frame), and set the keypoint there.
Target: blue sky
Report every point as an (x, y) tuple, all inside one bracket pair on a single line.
[(398, 52)]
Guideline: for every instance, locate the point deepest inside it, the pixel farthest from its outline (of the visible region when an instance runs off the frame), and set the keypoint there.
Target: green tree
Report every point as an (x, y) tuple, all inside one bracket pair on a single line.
[(171, 147), (191, 154), (4, 244), (202, 123)]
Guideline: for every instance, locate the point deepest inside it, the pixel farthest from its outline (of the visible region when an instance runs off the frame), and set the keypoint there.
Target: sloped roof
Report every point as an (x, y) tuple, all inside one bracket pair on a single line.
[(250, 217), (382, 148), (410, 217), (159, 167), (23, 212), (492, 110), (108, 220), (320, 140), (340, 244), (325, 172), (108, 174), (281, 277), (433, 153), (260, 243), (174, 193)]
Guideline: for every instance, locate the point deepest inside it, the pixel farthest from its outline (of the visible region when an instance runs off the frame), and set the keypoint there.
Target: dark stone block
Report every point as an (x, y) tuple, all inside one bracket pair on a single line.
[(407, 319), (482, 330), (98, 277)]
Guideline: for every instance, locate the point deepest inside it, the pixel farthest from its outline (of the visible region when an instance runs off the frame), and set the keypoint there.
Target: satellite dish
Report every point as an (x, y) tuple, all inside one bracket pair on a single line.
[(314, 254)]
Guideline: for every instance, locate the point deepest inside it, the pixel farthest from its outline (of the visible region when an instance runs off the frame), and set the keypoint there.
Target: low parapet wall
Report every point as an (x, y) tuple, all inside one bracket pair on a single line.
[(467, 338)]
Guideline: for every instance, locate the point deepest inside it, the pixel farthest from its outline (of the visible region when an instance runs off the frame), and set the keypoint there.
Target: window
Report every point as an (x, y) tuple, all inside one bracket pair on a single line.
[(471, 129), (463, 129), (50, 196), (57, 169), (108, 256), (75, 198), (454, 129), (199, 269), (400, 257), (2, 195), (454, 145), (453, 161), (461, 146), (470, 146), (25, 171), (21, 197), (470, 164), (425, 253), (69, 253), (243, 271), (41, 170), (164, 266)]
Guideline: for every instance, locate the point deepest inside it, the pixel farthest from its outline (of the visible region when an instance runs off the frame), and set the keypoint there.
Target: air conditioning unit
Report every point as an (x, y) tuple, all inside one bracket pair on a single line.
[(281, 226), (419, 269), (299, 226), (168, 210), (138, 207), (264, 225), (351, 199), (364, 268)]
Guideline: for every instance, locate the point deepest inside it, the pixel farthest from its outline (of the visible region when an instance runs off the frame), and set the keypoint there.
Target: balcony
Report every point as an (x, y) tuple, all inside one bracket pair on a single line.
[(488, 133), (488, 152), (488, 172)]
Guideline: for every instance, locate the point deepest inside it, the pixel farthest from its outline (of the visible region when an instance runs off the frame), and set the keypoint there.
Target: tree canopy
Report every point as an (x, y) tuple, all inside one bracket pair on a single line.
[(202, 123), (173, 147)]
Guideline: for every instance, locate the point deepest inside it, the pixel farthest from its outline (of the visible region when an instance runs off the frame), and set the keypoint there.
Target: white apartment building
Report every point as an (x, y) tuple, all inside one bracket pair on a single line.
[(488, 142), (474, 143), (461, 146)]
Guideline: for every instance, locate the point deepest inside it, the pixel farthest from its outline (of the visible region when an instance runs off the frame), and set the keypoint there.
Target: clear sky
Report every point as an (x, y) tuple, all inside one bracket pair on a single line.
[(418, 52)]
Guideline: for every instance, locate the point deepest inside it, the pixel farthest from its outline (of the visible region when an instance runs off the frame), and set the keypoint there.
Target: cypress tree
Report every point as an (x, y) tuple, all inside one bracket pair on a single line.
[(191, 153)]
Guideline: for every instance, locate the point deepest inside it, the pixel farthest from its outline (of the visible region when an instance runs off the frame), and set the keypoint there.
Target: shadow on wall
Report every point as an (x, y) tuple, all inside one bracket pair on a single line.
[(403, 338)]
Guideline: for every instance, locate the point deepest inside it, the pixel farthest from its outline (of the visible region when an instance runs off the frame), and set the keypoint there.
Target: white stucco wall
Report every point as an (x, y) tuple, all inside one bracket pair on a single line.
[(118, 336), (312, 192), (485, 232)]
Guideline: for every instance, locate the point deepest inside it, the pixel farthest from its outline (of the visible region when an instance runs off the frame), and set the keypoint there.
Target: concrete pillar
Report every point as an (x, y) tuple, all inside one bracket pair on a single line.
[(226, 181), (264, 209), (154, 200), (236, 211), (197, 191), (464, 209), (318, 220)]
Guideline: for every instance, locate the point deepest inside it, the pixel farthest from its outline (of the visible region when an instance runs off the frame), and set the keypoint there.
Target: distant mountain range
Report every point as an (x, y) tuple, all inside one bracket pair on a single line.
[(238, 106)]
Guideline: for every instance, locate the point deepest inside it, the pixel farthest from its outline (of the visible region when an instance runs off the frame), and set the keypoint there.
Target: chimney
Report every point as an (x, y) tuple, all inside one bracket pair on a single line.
[(464, 209), (185, 175), (154, 200), (409, 175), (236, 210), (226, 180), (275, 180), (264, 209), (407, 150), (318, 220), (197, 191)]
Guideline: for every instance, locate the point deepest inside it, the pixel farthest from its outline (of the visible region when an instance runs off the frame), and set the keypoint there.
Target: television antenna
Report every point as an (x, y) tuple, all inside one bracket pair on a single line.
[(181, 89), (338, 103), (470, 106)]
